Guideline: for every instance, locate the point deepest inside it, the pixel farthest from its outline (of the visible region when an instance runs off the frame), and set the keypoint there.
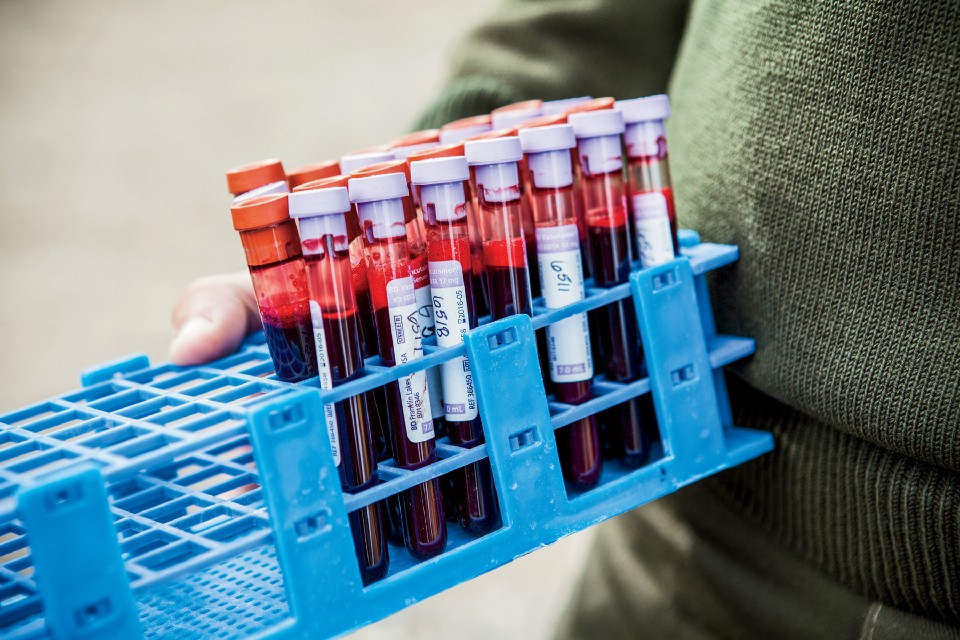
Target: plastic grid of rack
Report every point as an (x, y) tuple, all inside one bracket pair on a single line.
[(181, 463)]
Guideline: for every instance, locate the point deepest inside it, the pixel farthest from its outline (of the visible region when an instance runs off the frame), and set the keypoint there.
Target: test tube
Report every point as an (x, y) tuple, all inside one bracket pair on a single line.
[(416, 141), (376, 400), (476, 238), (600, 152), (555, 107), (646, 141), (310, 172), (272, 248), (551, 172), (460, 130), (256, 179), (379, 201), (443, 205), (495, 178), (333, 310), (417, 246)]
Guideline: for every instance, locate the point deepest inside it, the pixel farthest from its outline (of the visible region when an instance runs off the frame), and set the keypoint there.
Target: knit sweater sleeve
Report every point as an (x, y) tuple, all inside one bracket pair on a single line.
[(560, 49)]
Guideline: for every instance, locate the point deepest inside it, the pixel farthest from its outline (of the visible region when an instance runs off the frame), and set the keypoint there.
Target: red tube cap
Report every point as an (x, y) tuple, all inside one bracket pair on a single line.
[(543, 121), (443, 151), (595, 104), (261, 211), (468, 123), (311, 172), (248, 177), (427, 136), (382, 168)]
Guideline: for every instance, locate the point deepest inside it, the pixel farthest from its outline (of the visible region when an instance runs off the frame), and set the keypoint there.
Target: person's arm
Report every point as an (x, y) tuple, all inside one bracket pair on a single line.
[(561, 49)]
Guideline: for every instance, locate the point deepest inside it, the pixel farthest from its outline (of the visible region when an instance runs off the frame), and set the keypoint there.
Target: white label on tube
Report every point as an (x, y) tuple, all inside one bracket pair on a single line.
[(405, 331), (421, 287), (652, 226), (561, 280), (452, 321), (326, 379)]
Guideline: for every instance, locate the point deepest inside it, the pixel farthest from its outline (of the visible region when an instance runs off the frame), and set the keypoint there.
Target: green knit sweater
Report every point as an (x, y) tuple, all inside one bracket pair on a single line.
[(823, 138)]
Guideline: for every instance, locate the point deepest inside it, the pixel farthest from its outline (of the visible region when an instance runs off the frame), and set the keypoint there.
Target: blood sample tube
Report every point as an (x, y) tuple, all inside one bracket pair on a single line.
[(379, 201), (549, 121), (460, 130), (476, 238), (311, 172), (547, 150), (256, 179), (646, 141), (416, 141), (496, 180), (600, 152), (333, 310), (363, 158), (417, 246), (509, 116), (376, 400), (272, 247), (443, 204), (555, 107)]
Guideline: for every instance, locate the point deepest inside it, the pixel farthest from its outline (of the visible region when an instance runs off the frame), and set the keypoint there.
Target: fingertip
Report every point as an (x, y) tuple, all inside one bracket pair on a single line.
[(192, 342)]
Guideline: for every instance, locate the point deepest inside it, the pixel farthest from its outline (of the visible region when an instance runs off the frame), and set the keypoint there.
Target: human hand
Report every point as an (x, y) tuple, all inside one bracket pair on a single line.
[(211, 318)]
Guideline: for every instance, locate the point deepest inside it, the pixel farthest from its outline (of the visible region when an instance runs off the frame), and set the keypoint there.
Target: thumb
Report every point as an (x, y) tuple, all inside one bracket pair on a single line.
[(212, 317)]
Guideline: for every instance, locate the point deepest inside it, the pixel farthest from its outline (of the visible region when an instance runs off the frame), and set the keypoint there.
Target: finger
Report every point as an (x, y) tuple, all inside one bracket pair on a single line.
[(212, 317)]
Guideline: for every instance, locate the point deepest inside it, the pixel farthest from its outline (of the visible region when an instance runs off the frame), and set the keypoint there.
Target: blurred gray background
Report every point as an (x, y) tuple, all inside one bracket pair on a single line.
[(117, 121)]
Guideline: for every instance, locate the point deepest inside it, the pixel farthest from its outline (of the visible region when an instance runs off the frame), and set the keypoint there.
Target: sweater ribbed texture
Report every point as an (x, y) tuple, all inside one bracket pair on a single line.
[(823, 138)]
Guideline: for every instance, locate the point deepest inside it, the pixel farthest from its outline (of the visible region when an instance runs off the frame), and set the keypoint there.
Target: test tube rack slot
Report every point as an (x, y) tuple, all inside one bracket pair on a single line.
[(164, 501)]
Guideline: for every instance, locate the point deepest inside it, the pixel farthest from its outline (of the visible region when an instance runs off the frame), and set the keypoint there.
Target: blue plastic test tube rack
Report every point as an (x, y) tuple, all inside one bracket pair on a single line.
[(165, 501)]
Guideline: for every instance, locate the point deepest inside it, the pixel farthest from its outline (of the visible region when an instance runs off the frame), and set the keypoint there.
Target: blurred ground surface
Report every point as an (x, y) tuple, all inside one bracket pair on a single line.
[(117, 120)]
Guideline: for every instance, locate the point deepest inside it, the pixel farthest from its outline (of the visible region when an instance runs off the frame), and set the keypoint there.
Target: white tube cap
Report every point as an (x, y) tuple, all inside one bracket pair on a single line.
[(387, 186), (493, 150), (551, 138), (266, 190), (350, 163), (439, 170), (644, 109), (513, 117), (591, 124), (319, 202), (556, 107), (453, 136)]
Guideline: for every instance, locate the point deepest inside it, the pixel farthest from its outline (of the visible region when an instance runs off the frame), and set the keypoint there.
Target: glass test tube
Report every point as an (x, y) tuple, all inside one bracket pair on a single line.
[(379, 201), (272, 248), (481, 296), (417, 246), (333, 310), (495, 179), (600, 153), (376, 400), (443, 204), (645, 139), (547, 150), (256, 179)]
